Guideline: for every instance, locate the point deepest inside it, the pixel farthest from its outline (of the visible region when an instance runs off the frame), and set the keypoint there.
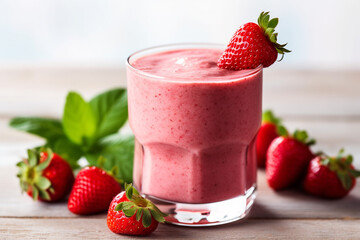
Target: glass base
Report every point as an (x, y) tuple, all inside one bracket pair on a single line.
[(206, 214)]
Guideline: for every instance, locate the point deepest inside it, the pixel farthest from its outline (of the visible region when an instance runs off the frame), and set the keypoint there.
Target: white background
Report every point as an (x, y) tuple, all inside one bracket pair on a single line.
[(322, 34)]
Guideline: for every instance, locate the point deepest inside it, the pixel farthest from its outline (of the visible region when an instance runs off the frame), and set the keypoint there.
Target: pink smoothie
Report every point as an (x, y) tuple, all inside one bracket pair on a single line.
[(195, 125)]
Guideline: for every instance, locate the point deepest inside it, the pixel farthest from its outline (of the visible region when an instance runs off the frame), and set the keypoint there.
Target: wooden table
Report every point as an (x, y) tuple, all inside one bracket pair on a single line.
[(327, 104)]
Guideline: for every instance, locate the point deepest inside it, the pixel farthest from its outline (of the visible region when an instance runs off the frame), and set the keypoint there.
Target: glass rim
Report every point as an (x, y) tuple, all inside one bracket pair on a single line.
[(247, 73)]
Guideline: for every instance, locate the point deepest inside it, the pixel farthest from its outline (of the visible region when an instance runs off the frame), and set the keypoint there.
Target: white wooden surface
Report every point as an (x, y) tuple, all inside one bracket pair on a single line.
[(327, 104)]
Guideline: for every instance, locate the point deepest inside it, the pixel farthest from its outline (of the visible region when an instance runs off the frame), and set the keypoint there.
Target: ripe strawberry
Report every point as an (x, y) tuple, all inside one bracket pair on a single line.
[(131, 214), (270, 129), (253, 44), (330, 177), (45, 176), (287, 159), (93, 191)]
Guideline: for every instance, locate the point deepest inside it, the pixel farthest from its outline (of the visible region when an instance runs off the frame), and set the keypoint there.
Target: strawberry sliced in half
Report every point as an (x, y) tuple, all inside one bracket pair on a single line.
[(253, 45)]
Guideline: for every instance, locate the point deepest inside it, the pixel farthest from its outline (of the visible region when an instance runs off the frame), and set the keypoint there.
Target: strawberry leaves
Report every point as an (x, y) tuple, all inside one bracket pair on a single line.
[(141, 207), (42, 182), (268, 26), (355, 173), (342, 166), (30, 174), (300, 135), (88, 129), (269, 117), (303, 137), (139, 214), (273, 23)]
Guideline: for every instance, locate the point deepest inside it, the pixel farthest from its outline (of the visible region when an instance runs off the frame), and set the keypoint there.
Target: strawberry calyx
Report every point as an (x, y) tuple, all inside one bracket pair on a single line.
[(268, 26), (114, 172), (269, 117), (342, 166), (303, 137), (140, 206), (31, 173)]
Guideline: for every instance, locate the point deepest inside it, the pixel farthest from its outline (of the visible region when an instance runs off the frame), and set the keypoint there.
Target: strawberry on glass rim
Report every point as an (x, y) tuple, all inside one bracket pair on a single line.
[(253, 44)]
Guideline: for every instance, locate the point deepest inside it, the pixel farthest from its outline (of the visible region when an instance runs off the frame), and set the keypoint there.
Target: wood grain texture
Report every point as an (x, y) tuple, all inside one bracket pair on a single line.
[(288, 204), (249, 229)]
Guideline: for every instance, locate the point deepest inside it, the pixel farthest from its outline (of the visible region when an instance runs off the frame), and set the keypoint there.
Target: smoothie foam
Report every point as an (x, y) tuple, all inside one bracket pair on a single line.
[(195, 125)]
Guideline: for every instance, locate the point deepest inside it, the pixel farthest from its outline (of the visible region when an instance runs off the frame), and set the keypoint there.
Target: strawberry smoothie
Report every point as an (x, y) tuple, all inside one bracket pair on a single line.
[(195, 124)]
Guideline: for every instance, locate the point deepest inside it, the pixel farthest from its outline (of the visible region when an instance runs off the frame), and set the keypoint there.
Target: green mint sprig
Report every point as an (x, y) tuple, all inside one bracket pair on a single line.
[(87, 129)]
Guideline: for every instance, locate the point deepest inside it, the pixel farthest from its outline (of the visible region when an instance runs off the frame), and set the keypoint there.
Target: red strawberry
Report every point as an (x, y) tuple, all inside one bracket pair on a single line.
[(45, 176), (270, 129), (93, 191), (330, 177), (287, 159), (253, 44), (131, 214)]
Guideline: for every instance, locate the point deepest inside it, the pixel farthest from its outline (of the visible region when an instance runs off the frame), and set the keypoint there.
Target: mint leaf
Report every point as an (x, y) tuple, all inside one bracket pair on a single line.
[(118, 151), (67, 150), (51, 130), (87, 130), (110, 109), (42, 127), (79, 122)]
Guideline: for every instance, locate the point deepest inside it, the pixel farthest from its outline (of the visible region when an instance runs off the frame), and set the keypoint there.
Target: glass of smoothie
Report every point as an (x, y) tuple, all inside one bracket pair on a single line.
[(195, 127)]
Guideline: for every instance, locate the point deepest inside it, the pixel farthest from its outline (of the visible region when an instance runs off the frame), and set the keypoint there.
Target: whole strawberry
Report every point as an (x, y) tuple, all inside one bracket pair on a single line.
[(270, 129), (131, 214), (330, 177), (253, 45), (287, 159), (45, 176), (93, 191)]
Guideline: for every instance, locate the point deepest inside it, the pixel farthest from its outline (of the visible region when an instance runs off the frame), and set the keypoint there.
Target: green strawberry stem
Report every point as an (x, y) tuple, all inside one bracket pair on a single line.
[(140, 206), (342, 166), (31, 177), (268, 26), (114, 172), (269, 117), (302, 136)]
